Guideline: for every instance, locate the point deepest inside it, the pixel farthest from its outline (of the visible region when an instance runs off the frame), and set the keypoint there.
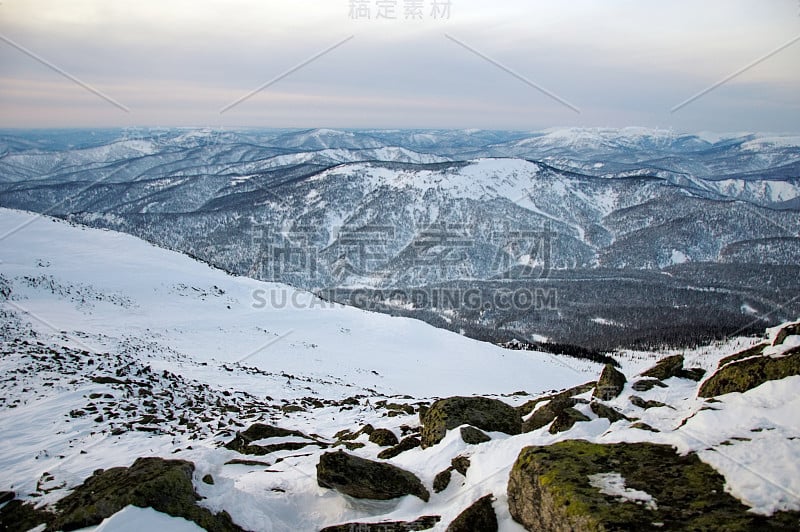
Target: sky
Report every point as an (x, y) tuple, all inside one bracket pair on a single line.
[(522, 65)]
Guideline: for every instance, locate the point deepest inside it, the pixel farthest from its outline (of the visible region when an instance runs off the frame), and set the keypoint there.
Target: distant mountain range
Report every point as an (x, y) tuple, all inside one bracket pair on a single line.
[(620, 237)]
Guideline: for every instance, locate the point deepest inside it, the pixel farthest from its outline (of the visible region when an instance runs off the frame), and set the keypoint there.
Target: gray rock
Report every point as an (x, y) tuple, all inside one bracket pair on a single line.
[(479, 517), (473, 436), (365, 479), (480, 412), (610, 383), (383, 437)]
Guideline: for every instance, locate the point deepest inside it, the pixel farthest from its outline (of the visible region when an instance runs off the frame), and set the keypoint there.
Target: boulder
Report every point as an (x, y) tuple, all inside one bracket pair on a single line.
[(665, 368), (564, 486), (366, 479), (610, 383), (473, 436), (480, 412), (383, 438), (18, 516), (164, 485), (479, 517), (460, 464), (746, 374)]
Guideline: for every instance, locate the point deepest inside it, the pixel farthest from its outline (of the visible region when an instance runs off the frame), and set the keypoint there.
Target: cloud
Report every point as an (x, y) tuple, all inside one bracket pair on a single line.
[(623, 62)]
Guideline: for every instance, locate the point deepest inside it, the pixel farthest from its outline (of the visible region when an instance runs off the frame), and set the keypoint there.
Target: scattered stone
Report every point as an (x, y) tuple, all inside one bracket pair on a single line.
[(406, 444), (641, 403), (208, 479), (479, 517), (610, 383), (746, 374), (347, 435), (566, 419), (473, 436), (644, 385), (423, 523), (604, 411), (550, 489), (164, 485), (481, 412), (383, 438), (365, 479)]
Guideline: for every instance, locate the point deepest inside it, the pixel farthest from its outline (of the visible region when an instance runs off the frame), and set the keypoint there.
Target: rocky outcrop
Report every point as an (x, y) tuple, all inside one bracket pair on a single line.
[(479, 517), (564, 487), (610, 383), (480, 412), (566, 419), (164, 485), (365, 479), (745, 374)]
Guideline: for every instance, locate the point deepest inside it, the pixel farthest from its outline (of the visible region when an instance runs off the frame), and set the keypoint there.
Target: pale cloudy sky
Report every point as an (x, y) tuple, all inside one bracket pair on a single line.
[(620, 62)]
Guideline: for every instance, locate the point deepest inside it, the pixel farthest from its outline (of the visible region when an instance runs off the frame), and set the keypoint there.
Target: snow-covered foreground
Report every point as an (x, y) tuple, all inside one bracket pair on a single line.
[(78, 304)]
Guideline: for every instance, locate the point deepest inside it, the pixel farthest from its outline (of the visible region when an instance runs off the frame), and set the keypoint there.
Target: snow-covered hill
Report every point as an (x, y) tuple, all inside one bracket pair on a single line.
[(113, 350)]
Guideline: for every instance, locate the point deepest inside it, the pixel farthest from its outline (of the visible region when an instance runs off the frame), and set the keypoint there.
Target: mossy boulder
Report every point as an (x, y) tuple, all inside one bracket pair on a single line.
[(551, 489), (243, 442), (383, 438), (610, 383), (473, 436), (164, 485), (746, 374), (366, 479), (479, 517), (480, 412), (425, 522), (406, 444)]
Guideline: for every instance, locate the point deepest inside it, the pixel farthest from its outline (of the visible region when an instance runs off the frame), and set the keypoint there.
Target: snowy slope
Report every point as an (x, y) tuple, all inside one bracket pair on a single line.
[(83, 304)]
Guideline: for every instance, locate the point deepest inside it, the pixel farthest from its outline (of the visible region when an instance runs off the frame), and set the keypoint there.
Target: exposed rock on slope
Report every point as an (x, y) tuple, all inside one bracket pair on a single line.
[(486, 414), (577, 485), (365, 479)]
